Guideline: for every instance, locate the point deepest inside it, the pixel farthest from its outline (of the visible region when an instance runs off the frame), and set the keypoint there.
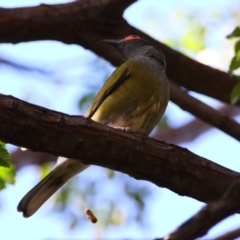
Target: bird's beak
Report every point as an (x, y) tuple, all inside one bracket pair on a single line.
[(112, 42)]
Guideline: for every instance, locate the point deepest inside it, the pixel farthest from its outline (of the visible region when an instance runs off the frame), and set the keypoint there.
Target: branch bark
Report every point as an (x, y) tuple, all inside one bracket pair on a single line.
[(165, 165), (87, 22), (186, 133)]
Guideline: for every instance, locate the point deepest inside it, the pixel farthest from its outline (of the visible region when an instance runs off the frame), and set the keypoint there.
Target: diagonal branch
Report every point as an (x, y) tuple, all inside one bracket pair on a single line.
[(20, 67), (210, 215), (204, 112), (87, 22), (193, 129), (163, 164), (185, 133), (234, 234)]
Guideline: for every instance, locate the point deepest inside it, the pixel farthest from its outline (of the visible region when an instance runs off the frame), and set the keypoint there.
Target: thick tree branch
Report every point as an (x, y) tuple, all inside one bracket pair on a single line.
[(210, 215), (141, 157), (87, 22), (186, 133)]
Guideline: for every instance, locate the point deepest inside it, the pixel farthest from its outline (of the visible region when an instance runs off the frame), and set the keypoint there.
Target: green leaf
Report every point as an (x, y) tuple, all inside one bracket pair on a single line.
[(237, 47), (7, 175), (235, 63), (4, 156), (7, 171), (235, 33), (235, 94), (2, 144)]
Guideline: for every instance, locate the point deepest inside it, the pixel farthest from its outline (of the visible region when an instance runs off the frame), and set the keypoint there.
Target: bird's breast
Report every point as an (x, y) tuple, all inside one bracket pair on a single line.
[(140, 101)]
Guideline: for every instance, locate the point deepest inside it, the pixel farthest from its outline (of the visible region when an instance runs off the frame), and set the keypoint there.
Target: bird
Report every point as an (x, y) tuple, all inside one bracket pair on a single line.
[(134, 97)]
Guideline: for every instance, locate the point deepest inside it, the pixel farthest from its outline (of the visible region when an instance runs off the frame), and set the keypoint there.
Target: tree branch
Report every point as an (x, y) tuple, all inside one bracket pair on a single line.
[(20, 67), (87, 22), (230, 235), (193, 129), (22, 158), (165, 165), (210, 215), (186, 133), (204, 112)]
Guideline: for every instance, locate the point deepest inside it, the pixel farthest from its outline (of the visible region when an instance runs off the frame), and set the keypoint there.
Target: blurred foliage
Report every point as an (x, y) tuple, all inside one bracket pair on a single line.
[(7, 171), (44, 169), (235, 64), (113, 197), (163, 123), (86, 100), (193, 38), (188, 33)]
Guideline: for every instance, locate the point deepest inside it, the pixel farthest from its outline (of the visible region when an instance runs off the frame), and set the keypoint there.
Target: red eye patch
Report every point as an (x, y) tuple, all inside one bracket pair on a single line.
[(131, 37)]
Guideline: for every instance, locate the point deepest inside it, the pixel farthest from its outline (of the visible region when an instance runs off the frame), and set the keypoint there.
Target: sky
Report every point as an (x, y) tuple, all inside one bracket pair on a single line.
[(69, 62)]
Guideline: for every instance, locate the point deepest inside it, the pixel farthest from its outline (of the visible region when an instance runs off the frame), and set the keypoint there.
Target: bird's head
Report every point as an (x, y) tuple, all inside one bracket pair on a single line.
[(133, 45)]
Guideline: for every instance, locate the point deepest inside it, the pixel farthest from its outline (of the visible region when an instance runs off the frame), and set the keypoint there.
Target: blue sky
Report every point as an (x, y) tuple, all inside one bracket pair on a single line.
[(167, 209)]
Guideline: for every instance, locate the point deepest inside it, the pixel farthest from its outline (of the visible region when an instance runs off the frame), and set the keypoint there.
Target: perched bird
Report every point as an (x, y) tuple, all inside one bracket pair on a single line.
[(134, 97)]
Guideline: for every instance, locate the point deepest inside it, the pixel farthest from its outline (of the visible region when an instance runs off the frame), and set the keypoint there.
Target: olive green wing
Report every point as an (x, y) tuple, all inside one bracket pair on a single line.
[(108, 88)]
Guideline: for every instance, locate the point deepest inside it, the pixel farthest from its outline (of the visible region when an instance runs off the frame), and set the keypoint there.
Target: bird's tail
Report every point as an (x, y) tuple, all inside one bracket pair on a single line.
[(35, 198)]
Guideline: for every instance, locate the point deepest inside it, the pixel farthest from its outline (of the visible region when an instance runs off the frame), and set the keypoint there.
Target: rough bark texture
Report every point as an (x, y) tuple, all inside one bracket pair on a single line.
[(165, 165)]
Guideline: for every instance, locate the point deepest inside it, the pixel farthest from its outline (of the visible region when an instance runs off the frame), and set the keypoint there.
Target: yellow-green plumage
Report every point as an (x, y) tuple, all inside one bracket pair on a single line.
[(139, 102), (135, 96)]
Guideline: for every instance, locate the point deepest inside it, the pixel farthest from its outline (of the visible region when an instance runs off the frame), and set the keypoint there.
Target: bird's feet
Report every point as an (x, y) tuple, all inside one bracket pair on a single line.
[(124, 129)]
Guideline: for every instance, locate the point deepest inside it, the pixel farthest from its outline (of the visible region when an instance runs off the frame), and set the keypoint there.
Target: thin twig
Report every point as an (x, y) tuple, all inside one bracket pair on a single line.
[(230, 235)]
